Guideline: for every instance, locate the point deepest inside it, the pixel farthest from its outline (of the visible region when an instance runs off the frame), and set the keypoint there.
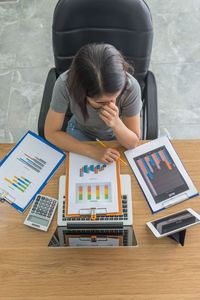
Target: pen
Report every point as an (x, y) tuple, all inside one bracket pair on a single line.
[(102, 144)]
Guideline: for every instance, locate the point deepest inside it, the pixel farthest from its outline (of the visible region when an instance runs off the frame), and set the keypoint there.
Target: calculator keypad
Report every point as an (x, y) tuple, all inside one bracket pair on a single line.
[(43, 206), (41, 212)]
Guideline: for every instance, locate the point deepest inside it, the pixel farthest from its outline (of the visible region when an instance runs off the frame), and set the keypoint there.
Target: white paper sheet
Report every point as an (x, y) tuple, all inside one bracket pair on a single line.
[(88, 188)]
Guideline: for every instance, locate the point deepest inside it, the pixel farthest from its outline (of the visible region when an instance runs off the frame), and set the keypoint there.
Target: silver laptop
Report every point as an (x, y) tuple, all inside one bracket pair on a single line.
[(126, 218), (105, 231)]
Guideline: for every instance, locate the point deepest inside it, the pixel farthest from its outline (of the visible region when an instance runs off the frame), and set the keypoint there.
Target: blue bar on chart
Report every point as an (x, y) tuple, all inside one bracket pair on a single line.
[(92, 168), (33, 163)]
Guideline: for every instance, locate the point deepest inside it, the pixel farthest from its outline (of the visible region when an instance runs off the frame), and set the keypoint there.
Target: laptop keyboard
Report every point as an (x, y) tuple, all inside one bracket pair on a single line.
[(122, 217)]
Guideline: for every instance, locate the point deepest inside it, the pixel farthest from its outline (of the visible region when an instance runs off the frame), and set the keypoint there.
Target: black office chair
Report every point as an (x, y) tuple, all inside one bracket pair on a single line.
[(126, 24)]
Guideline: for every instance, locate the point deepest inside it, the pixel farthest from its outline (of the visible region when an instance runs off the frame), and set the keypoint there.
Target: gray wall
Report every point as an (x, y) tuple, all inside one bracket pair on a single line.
[(26, 56)]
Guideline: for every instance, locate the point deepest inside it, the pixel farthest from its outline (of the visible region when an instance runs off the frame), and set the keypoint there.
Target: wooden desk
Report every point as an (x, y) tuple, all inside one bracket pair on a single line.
[(159, 269)]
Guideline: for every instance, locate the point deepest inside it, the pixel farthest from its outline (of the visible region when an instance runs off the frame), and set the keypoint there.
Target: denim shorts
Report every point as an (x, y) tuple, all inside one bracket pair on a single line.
[(77, 133)]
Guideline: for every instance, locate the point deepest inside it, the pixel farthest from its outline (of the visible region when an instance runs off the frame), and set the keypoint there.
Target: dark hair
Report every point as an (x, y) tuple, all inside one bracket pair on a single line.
[(96, 70)]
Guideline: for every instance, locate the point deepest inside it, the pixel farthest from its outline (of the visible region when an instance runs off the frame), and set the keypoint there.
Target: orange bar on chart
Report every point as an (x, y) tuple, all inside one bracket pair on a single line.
[(89, 192), (156, 158), (97, 192), (80, 193), (143, 166), (166, 161), (106, 191)]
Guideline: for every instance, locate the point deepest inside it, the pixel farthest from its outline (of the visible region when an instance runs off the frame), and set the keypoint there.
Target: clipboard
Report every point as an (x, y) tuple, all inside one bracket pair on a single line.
[(91, 188), (160, 174), (26, 169)]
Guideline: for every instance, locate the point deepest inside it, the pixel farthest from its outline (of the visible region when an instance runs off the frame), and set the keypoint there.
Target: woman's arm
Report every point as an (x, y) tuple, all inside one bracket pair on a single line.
[(127, 130), (66, 142)]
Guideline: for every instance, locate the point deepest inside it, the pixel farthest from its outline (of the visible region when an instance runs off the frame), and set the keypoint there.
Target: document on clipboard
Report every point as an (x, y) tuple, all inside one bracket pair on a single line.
[(26, 169), (161, 174), (92, 188)]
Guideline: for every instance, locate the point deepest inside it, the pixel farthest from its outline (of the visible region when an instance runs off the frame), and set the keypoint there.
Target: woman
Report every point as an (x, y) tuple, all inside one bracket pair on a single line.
[(105, 101)]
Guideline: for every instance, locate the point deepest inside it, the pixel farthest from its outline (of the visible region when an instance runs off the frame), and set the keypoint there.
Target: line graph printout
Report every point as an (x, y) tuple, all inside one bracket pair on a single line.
[(160, 173)]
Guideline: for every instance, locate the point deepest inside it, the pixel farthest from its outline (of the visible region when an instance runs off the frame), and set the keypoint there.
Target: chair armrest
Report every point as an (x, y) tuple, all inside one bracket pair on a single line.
[(46, 99), (150, 108)]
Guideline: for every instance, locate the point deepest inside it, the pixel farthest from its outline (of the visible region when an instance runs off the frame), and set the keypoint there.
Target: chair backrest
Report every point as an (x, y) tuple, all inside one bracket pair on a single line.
[(126, 24)]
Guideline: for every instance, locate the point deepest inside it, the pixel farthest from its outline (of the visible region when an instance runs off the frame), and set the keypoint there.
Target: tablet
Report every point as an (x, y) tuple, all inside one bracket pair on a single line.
[(174, 222)]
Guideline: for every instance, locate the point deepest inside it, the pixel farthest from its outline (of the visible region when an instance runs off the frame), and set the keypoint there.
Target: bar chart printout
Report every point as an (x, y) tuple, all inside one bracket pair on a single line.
[(93, 192), (95, 169), (34, 163), (19, 183), (160, 174)]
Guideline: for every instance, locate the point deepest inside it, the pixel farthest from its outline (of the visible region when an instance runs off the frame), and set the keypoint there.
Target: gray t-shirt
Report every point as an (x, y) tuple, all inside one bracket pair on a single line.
[(129, 104)]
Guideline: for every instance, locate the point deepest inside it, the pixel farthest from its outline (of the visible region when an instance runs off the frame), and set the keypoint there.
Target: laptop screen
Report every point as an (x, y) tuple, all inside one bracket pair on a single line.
[(93, 238)]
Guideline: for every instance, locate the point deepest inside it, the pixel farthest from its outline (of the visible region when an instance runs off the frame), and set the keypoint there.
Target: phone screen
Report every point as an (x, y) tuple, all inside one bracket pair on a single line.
[(175, 222)]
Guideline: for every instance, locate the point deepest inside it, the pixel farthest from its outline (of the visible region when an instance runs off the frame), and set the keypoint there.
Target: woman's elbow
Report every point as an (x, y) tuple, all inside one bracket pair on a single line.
[(134, 143), (48, 134)]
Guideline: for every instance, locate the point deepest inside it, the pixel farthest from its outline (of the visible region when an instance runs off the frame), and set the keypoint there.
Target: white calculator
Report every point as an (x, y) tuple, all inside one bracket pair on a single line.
[(41, 212)]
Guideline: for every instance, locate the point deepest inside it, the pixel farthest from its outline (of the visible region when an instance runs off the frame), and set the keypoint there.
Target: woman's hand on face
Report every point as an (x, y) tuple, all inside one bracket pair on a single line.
[(105, 155), (110, 114)]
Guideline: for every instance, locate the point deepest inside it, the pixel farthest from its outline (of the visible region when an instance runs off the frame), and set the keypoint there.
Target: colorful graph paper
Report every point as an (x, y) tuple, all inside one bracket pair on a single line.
[(93, 192), (20, 183), (34, 163), (86, 169)]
